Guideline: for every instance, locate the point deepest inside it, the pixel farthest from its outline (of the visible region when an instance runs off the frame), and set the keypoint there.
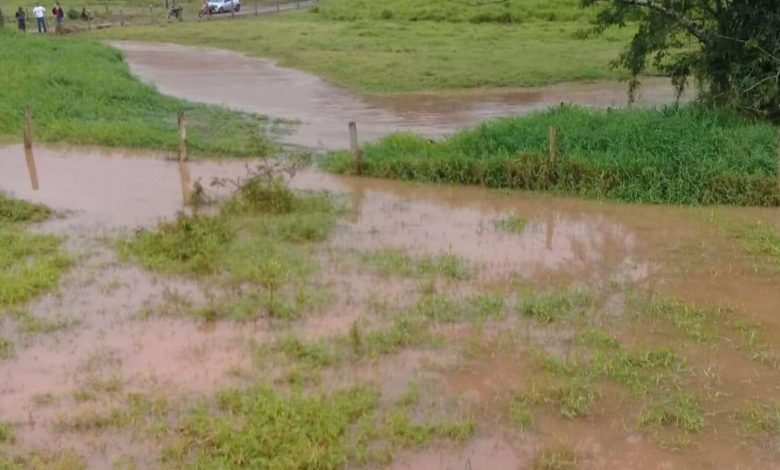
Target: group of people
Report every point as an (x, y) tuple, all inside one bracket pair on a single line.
[(40, 17)]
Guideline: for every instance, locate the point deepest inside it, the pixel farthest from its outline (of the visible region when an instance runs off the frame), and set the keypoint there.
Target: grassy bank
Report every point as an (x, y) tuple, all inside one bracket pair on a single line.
[(398, 47), (81, 92), (685, 155)]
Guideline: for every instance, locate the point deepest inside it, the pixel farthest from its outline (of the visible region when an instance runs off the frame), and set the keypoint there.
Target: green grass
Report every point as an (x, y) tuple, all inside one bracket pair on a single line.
[(16, 210), (366, 52), (551, 306), (678, 155), (758, 420), (512, 223), (654, 378), (520, 412), (31, 324), (699, 324), (263, 428), (396, 262), (446, 11), (441, 308), (760, 240), (30, 263), (6, 348), (557, 457), (81, 92), (680, 409), (262, 242), (6, 433)]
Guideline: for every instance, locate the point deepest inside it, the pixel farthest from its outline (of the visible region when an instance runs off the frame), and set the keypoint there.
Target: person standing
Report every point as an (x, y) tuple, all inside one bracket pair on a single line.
[(40, 17), (59, 14), (21, 19)]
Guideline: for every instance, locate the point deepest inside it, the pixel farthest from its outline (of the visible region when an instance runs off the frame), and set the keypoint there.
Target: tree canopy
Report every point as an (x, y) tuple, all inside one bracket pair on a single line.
[(731, 47)]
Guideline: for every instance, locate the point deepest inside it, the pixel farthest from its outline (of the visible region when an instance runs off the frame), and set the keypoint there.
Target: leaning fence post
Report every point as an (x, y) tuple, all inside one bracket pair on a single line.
[(28, 153), (182, 120), (353, 144)]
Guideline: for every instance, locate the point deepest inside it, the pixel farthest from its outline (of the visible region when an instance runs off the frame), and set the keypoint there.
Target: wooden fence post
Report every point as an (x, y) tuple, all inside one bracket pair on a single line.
[(298, 4), (257, 10), (151, 14), (277, 6), (121, 18), (28, 153), (353, 144), (182, 136)]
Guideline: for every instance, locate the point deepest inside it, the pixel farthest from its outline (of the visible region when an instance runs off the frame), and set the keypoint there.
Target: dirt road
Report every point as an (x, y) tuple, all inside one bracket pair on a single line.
[(260, 86)]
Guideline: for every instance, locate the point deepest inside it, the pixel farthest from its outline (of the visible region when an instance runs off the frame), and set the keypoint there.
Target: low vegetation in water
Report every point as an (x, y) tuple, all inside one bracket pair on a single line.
[(514, 223), (391, 261), (30, 263), (261, 243), (81, 92), (263, 428), (678, 155)]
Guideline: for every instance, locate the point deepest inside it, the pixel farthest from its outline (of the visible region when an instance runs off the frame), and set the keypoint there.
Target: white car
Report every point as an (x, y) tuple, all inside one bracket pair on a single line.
[(224, 6)]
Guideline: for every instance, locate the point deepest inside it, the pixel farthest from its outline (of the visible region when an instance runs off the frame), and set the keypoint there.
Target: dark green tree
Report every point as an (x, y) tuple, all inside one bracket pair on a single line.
[(730, 47)]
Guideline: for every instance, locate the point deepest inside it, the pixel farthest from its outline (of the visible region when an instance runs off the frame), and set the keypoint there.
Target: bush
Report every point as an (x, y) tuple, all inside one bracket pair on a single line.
[(73, 14)]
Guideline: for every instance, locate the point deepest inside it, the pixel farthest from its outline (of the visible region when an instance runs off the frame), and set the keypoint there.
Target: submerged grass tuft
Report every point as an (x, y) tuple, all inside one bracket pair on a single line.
[(513, 224), (396, 262), (678, 409), (548, 307), (758, 420), (30, 264), (263, 428), (558, 457)]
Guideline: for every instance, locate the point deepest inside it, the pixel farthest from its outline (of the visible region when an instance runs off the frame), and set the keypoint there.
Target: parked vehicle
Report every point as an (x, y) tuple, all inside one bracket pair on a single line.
[(224, 6)]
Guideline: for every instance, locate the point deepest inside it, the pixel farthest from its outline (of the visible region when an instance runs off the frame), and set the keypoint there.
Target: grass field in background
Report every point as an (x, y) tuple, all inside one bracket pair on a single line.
[(686, 155), (81, 92), (407, 53)]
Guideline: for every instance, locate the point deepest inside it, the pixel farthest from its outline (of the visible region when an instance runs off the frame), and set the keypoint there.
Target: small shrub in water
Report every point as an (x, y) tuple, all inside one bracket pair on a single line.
[(186, 245)]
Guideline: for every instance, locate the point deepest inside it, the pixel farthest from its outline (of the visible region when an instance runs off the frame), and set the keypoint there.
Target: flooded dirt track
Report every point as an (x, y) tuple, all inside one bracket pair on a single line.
[(260, 86), (111, 334)]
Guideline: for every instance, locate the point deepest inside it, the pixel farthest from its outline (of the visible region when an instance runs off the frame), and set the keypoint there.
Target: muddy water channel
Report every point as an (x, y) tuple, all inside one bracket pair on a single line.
[(323, 110), (123, 331)]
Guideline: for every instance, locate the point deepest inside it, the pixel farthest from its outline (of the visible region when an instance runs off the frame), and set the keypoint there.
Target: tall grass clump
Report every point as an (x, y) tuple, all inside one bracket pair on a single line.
[(677, 155), (81, 92)]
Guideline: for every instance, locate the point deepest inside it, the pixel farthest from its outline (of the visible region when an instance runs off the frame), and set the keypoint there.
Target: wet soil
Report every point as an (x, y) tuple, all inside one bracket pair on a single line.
[(672, 250), (259, 85)]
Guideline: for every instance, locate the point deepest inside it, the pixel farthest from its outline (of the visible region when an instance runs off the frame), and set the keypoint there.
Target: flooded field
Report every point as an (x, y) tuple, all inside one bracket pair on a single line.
[(498, 329), (323, 110)]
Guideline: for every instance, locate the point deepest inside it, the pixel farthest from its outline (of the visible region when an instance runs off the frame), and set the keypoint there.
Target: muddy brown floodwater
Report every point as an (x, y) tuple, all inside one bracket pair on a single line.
[(259, 85), (673, 250)]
